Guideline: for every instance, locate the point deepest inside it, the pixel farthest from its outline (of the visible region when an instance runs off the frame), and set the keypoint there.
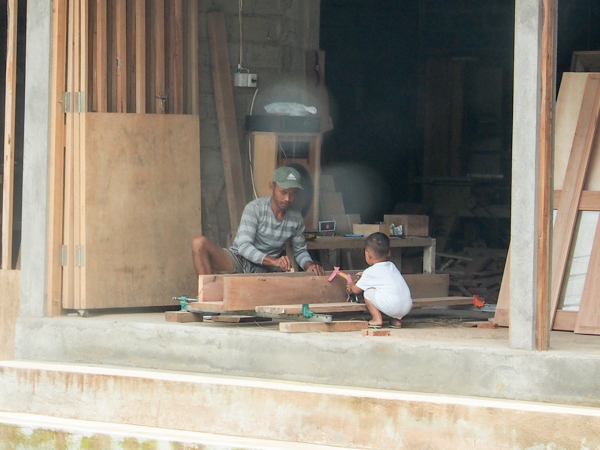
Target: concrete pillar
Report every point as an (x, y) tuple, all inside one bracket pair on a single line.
[(525, 173), (34, 242)]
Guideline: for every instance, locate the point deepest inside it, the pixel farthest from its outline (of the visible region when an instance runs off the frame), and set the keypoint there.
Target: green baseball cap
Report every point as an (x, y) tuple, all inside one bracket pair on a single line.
[(287, 177)]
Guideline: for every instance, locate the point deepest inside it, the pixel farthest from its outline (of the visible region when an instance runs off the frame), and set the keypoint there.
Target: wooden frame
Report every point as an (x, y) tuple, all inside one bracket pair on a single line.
[(9, 135)]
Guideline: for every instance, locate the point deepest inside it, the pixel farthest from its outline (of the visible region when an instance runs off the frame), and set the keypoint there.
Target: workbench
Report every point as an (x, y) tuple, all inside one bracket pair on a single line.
[(342, 242)]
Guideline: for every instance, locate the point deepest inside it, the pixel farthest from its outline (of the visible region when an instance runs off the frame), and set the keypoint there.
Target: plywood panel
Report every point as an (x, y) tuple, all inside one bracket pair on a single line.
[(568, 107), (142, 208)]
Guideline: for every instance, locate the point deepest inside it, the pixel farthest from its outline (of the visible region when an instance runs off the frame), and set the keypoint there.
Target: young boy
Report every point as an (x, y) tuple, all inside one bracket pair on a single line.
[(385, 290)]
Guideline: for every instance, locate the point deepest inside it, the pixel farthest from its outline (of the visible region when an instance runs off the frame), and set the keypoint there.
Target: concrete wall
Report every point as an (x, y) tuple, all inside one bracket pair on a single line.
[(275, 34)]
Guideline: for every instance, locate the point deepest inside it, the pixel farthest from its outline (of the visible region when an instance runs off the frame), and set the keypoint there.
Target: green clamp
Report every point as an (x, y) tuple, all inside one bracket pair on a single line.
[(183, 301), (307, 313)]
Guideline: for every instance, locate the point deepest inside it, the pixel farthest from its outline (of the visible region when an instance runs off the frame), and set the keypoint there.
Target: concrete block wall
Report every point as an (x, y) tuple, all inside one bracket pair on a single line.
[(275, 34)]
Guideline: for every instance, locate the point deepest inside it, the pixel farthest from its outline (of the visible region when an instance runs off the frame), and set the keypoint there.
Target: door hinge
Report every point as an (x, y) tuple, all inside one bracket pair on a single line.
[(80, 102), (80, 256), (64, 255), (66, 102)]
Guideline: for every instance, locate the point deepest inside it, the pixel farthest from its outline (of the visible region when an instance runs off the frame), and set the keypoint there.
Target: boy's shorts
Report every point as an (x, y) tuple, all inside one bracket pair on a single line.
[(398, 312)]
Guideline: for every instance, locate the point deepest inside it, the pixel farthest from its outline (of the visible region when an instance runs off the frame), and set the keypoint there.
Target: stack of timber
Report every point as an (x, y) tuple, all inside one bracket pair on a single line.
[(575, 292), (474, 271)]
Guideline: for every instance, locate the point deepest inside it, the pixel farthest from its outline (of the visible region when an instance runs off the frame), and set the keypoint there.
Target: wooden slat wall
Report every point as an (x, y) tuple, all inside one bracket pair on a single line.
[(143, 56)]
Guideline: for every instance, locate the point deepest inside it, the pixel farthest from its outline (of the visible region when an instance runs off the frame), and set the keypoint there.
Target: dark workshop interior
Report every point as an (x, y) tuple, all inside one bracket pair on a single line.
[(421, 101)]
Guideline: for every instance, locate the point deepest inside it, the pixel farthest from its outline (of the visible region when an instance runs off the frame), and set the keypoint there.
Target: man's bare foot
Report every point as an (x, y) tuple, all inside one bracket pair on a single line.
[(375, 325), (395, 323)]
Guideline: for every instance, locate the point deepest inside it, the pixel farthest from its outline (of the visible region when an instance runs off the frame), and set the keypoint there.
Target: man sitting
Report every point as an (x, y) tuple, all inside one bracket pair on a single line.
[(266, 225)]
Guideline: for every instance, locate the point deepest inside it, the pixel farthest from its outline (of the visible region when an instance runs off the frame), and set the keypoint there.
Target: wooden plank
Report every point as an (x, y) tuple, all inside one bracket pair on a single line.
[(247, 293), (10, 102), (101, 56), (502, 315), (211, 287), (121, 40), (56, 160), (318, 308), (264, 161), (239, 319), (311, 327), (568, 107), (175, 37), (79, 161), (131, 47), (230, 152), (158, 41), (68, 273), (589, 201), (334, 242), (376, 332), (183, 317), (588, 317), (585, 137), (139, 256), (565, 321), (10, 297), (350, 307), (140, 56), (192, 91), (548, 69), (211, 306)]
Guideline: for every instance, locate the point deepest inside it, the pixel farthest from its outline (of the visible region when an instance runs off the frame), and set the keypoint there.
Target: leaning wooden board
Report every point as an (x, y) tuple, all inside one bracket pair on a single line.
[(246, 292)]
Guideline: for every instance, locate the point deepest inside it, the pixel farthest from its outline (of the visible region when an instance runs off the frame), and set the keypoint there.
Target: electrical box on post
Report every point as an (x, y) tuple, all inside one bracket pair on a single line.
[(244, 79)]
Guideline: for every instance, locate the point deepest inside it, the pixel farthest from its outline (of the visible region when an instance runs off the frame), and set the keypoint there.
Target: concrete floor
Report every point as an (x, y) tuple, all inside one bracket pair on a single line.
[(433, 353)]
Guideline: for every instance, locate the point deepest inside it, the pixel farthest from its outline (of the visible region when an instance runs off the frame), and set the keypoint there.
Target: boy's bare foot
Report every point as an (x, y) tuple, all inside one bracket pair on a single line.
[(375, 325), (395, 323)]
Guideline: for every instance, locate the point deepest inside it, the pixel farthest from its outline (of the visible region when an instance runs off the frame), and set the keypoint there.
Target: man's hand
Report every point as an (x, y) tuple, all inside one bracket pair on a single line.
[(314, 268), (283, 262)]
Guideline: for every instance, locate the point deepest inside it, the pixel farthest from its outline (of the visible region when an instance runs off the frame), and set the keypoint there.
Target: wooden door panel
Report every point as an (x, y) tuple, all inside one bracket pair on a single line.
[(141, 208)]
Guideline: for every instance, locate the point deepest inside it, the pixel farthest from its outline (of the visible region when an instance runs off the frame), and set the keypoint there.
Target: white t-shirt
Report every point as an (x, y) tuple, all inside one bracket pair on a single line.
[(393, 294)]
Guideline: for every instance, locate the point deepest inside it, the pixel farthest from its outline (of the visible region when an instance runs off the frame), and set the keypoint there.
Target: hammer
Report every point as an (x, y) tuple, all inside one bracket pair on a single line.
[(336, 271)]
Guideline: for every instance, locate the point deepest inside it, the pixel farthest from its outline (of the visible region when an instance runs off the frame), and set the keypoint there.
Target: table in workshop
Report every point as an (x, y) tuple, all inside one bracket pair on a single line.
[(341, 242)]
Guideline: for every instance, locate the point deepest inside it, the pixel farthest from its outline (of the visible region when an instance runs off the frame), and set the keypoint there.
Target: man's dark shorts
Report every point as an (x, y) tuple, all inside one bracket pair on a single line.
[(242, 265)]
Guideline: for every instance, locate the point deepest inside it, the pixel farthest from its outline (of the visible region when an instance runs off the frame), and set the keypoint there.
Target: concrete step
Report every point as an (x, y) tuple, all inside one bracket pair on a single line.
[(30, 431), (288, 411)]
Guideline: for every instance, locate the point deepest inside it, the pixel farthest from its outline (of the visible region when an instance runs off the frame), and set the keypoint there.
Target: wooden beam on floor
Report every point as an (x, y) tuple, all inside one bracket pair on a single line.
[(10, 102), (230, 151), (311, 327)]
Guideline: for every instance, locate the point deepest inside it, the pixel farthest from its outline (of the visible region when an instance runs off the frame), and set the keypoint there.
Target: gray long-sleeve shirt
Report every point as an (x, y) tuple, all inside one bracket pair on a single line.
[(260, 234)]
